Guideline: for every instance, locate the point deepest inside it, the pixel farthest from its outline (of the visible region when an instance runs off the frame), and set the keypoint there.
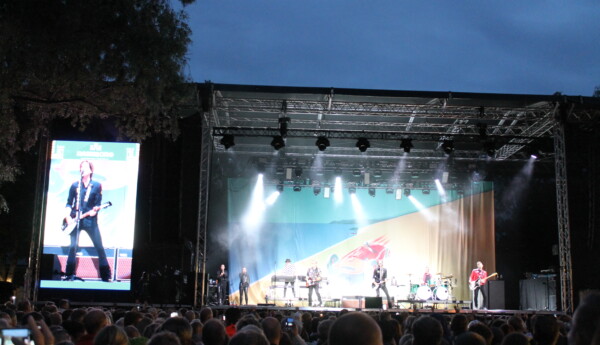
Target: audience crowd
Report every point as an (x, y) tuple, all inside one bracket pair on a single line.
[(59, 324)]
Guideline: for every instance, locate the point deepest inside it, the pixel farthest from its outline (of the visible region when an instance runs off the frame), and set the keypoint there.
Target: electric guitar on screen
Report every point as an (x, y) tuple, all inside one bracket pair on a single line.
[(477, 283), (312, 281), (68, 228)]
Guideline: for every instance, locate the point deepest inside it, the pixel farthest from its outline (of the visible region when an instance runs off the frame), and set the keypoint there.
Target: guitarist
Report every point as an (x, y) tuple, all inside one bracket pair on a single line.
[(379, 279), (477, 280), (313, 277), (85, 196)]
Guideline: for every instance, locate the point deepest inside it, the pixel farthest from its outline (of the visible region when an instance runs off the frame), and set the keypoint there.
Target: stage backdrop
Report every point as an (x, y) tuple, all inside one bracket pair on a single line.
[(116, 168), (447, 234)]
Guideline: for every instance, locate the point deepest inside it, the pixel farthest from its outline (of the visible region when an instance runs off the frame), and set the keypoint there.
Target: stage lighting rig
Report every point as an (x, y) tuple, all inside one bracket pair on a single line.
[(406, 144), (322, 143), (227, 141), (372, 192), (278, 142), (363, 144)]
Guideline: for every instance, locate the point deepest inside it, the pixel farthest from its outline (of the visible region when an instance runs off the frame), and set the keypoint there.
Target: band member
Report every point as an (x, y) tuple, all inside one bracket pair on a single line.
[(85, 198), (426, 277), (222, 282), (313, 277), (289, 270), (477, 280), (379, 280), (244, 283)]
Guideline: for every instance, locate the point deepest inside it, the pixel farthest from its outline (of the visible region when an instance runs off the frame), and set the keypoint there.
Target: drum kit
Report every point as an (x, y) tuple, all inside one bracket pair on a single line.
[(439, 288)]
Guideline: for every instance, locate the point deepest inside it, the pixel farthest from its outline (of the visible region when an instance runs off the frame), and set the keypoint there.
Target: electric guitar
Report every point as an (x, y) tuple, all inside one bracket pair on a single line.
[(312, 281), (68, 228), (375, 284), (476, 283)]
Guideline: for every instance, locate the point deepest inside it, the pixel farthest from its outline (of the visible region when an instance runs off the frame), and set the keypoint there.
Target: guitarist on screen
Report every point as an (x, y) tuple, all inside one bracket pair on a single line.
[(379, 279), (83, 203), (477, 280)]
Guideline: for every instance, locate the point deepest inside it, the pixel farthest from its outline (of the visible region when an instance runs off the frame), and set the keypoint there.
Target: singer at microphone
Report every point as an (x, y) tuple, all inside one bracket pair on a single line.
[(222, 284)]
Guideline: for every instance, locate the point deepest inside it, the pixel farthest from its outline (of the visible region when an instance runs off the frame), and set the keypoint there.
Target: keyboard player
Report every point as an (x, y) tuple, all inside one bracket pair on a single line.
[(289, 272)]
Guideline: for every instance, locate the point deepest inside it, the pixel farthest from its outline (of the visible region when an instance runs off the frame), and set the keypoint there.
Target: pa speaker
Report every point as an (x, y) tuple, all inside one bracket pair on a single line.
[(50, 267), (373, 302), (494, 290)]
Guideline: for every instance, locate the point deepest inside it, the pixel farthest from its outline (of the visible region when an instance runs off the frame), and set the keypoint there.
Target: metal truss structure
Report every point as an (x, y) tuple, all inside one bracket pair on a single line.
[(483, 128)]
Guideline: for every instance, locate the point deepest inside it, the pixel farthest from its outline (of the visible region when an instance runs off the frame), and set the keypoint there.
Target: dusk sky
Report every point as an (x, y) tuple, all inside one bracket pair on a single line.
[(532, 47)]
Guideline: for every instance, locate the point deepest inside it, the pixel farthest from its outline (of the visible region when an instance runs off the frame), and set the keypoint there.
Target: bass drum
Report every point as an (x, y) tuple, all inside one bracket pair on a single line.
[(424, 292), (441, 293)]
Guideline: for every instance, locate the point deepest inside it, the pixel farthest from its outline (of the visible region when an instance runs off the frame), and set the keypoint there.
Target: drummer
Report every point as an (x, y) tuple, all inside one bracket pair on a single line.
[(426, 277)]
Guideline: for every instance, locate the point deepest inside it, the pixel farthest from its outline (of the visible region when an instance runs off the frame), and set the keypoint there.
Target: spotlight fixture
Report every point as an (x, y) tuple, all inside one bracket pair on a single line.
[(316, 190), (277, 142), (490, 148), (448, 146), (352, 190), (426, 191), (280, 188), (407, 191), (322, 143), (337, 172), (227, 141), (298, 172), (356, 173), (372, 192), (363, 144), (406, 144), (389, 191), (297, 188)]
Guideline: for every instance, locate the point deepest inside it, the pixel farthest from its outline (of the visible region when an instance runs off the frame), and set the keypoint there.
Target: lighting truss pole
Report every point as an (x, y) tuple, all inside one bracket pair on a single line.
[(202, 220), (562, 205)]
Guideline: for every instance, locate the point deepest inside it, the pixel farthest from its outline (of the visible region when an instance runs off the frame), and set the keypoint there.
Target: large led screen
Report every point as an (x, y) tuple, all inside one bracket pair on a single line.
[(90, 215)]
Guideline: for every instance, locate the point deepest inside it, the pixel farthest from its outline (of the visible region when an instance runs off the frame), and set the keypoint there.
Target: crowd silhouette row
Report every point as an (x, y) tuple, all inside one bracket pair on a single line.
[(59, 324)]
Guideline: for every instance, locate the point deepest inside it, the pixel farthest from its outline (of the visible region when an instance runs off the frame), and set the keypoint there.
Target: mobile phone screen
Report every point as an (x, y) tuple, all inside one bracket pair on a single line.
[(16, 333)]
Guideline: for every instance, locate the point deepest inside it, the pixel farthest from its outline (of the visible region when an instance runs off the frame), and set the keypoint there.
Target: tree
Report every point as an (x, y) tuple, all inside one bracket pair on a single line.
[(82, 60)]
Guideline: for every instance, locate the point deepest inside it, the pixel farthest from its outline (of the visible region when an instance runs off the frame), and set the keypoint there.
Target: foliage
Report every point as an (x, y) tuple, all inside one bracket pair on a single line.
[(82, 60)]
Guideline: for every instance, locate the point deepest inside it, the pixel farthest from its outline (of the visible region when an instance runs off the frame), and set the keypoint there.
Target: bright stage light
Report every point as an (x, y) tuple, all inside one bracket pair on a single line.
[(272, 198), (352, 190), (255, 212), (398, 194), (338, 196), (359, 214), (326, 192), (440, 188), (422, 209)]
